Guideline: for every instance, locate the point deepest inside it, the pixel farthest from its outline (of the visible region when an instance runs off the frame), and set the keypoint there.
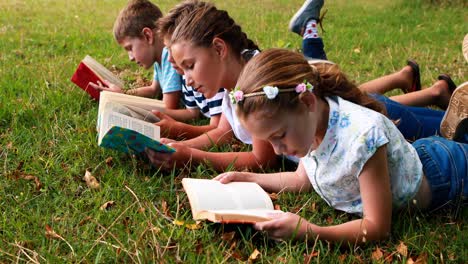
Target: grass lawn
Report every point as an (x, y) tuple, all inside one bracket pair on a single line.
[(48, 138)]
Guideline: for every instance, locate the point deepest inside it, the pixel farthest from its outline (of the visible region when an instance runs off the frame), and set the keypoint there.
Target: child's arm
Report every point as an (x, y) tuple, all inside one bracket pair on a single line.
[(172, 99), (145, 91), (222, 134), (261, 156), (376, 195), (296, 181), (174, 129), (183, 115)]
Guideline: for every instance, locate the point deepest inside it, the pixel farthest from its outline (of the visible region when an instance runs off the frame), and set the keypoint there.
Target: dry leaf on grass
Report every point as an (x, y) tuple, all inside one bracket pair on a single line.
[(50, 233), (107, 205), (109, 161), (273, 196), (91, 180), (228, 236), (36, 180), (255, 254), (402, 249), (377, 254)]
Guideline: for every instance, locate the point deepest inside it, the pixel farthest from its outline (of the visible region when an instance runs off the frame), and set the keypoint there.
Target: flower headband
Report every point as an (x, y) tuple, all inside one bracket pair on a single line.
[(271, 92)]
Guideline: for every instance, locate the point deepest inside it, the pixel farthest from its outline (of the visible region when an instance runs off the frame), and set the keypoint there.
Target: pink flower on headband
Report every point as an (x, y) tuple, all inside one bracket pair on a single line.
[(300, 88), (238, 95), (305, 86)]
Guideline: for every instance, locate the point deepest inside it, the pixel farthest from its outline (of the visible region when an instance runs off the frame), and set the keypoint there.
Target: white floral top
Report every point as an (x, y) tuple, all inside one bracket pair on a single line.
[(354, 134)]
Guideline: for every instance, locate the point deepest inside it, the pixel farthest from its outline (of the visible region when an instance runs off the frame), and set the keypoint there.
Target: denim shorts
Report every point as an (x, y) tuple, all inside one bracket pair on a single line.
[(445, 165)]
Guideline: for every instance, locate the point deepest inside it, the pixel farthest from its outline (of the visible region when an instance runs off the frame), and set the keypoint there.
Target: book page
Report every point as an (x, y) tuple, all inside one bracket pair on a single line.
[(112, 118), (101, 71), (212, 195)]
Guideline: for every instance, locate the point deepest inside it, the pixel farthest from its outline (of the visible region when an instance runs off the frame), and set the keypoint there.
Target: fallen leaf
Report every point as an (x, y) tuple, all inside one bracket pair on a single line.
[(254, 255), (228, 236), (377, 254), (50, 233), (178, 222), (237, 255), (199, 247), (109, 161), (313, 207), (36, 180), (273, 196), (107, 205), (342, 258), (193, 226), (91, 180), (164, 207), (421, 259), (86, 219), (308, 258), (402, 249), (141, 210)]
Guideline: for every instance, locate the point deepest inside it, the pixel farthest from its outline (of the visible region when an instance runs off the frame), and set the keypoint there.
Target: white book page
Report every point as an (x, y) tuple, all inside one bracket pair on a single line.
[(142, 103), (212, 195), (111, 118), (101, 71)]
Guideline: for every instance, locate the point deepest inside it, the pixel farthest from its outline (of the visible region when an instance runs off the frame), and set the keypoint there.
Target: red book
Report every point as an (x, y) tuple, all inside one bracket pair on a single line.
[(89, 70)]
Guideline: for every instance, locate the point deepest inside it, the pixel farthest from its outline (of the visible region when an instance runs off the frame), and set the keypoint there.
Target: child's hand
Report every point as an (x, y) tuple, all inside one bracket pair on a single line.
[(181, 156), (285, 226), (169, 126), (110, 87), (231, 176), (167, 140)]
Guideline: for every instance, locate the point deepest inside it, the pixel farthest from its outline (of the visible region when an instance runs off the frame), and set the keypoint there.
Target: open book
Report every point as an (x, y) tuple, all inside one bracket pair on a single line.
[(235, 202), (89, 70), (126, 123)]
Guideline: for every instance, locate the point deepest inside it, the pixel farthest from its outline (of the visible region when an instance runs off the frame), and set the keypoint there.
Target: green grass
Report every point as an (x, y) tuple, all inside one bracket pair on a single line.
[(47, 130)]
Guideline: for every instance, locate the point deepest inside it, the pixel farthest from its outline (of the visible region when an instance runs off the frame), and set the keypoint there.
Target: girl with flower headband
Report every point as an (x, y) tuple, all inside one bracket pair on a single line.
[(351, 154), (211, 50)]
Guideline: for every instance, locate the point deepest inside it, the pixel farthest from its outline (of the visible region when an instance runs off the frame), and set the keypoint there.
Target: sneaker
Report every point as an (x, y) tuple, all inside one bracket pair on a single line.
[(309, 10), (454, 125)]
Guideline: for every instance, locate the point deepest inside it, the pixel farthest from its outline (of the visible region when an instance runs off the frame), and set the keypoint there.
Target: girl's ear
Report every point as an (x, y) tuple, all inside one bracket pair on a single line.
[(220, 46), (309, 100), (148, 35)]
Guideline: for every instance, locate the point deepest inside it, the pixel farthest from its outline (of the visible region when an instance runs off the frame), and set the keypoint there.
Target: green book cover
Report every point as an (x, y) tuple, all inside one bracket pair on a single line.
[(130, 141)]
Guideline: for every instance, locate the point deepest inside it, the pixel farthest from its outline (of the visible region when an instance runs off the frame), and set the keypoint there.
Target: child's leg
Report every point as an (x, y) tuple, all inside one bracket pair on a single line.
[(403, 79), (305, 23), (413, 122), (438, 94), (445, 166)]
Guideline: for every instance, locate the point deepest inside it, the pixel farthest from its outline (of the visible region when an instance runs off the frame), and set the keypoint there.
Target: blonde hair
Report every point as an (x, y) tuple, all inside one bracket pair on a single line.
[(137, 15), (285, 69), (205, 23)]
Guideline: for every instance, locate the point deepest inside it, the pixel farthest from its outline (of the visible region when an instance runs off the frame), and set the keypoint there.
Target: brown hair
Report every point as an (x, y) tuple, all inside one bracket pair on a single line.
[(286, 69), (167, 24), (203, 24), (137, 15)]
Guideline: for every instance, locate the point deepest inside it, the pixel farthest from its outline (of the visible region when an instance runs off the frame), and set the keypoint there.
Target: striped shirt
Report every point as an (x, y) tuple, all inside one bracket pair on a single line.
[(208, 107)]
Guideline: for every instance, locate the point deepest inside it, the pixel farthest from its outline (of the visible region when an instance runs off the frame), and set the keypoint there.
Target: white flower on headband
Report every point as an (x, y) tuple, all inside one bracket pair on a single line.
[(271, 91)]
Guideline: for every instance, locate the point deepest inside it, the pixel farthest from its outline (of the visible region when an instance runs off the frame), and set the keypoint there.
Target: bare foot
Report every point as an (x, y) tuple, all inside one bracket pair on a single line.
[(441, 93), (406, 78)]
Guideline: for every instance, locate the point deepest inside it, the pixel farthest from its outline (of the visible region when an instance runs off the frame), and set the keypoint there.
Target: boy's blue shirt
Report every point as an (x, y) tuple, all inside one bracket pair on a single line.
[(168, 78)]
